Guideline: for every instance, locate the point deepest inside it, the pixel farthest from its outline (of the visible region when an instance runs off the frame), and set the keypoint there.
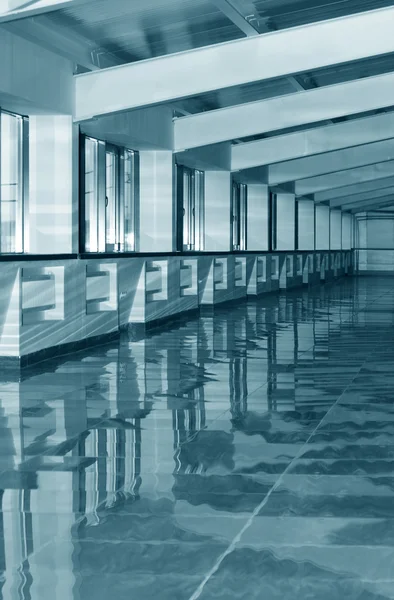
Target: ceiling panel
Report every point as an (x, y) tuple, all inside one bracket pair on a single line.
[(282, 14), (140, 29)]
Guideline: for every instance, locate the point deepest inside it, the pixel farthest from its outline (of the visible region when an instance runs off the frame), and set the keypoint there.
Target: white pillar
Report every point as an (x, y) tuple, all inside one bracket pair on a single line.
[(53, 186), (347, 224), (306, 225), (285, 221), (156, 201), (322, 231), (335, 230), (257, 218), (217, 211)]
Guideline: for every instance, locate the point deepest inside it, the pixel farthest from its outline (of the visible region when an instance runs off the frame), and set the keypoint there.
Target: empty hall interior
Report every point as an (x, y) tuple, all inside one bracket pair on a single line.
[(196, 299)]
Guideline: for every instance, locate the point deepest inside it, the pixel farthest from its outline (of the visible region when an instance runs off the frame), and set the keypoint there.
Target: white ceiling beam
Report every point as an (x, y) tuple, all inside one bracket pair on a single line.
[(357, 188), (387, 200), (331, 162), (372, 202), (304, 187), (313, 141), (302, 108), (354, 198), (244, 17), (202, 70)]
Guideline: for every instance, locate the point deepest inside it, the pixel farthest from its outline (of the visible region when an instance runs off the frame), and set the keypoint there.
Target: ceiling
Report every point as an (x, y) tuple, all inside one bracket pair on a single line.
[(97, 34), (282, 14)]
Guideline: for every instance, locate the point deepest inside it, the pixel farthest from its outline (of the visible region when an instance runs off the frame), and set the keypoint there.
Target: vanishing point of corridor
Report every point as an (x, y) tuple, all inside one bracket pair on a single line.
[(244, 454)]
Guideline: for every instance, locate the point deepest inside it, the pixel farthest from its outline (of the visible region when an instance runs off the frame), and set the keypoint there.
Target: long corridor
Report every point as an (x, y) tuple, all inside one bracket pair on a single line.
[(247, 454)]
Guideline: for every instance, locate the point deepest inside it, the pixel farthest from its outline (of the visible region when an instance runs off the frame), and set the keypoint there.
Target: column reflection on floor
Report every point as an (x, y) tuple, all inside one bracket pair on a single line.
[(129, 469)]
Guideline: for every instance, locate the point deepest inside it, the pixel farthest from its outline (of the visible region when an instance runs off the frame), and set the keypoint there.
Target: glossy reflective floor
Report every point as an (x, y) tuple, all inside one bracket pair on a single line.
[(249, 454)]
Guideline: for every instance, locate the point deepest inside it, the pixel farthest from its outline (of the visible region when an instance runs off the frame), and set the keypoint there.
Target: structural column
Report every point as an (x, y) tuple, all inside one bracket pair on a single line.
[(52, 215), (257, 217), (306, 225), (335, 230), (285, 221), (322, 227), (156, 201), (217, 211)]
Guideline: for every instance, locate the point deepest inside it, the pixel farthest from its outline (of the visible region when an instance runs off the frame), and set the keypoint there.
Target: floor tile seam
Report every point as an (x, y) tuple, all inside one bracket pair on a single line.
[(256, 511), (272, 545)]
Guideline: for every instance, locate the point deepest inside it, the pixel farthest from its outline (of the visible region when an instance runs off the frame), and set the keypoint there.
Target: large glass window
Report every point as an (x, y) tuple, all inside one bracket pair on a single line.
[(110, 197), (13, 175), (238, 216), (190, 192)]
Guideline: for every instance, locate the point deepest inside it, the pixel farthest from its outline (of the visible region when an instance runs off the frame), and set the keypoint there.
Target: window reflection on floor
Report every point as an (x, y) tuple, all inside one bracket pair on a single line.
[(128, 470)]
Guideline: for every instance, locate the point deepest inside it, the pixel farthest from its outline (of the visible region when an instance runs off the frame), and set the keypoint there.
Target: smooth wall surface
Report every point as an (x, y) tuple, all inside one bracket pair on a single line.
[(156, 201), (258, 217), (322, 239), (306, 225), (217, 211), (335, 229), (53, 196), (285, 224)]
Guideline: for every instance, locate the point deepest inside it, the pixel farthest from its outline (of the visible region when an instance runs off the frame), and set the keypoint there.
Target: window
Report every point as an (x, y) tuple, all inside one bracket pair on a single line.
[(110, 197), (131, 196), (13, 179), (238, 216), (190, 195), (273, 220)]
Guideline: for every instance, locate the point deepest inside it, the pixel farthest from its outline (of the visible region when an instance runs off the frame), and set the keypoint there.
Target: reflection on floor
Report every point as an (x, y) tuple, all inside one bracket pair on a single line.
[(244, 455)]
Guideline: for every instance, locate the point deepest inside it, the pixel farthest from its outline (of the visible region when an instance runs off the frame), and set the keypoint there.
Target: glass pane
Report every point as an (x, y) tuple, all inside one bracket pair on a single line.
[(242, 216), (192, 210), (235, 216), (11, 182), (129, 201), (91, 195), (199, 210), (186, 209), (110, 200)]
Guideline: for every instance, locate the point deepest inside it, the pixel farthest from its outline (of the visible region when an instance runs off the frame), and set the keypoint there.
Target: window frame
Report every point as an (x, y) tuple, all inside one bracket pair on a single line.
[(120, 231), (238, 216), (20, 237), (190, 204)]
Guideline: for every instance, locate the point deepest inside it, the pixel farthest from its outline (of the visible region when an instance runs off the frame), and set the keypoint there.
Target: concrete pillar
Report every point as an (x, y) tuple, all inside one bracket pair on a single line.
[(156, 201), (347, 225), (322, 228), (53, 188), (306, 225), (285, 221), (217, 211), (257, 218), (335, 230)]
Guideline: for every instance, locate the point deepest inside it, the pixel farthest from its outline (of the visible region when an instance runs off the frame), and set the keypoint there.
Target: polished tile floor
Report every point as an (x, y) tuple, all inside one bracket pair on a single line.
[(248, 454)]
